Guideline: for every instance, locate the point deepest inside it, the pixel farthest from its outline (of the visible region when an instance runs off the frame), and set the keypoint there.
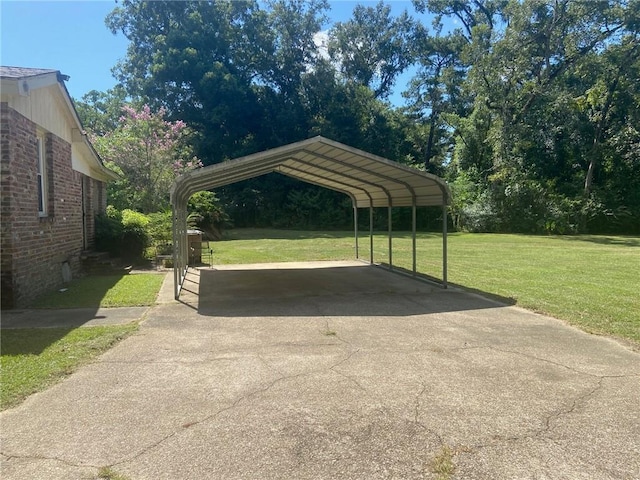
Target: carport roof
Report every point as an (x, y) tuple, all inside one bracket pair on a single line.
[(369, 180)]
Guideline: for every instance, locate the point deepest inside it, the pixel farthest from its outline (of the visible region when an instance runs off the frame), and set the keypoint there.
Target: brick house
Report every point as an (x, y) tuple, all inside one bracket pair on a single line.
[(53, 184)]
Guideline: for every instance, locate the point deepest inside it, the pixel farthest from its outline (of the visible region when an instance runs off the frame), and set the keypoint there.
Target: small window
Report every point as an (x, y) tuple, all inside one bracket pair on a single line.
[(41, 177)]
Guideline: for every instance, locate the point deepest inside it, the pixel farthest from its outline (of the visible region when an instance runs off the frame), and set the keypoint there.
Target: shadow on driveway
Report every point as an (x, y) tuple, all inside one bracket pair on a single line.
[(303, 290)]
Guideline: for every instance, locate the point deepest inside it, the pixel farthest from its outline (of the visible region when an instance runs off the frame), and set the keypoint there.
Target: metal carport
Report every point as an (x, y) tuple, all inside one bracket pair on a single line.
[(369, 180)]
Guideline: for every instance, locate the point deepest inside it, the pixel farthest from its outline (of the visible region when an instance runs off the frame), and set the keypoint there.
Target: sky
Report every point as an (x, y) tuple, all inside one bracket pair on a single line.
[(71, 36)]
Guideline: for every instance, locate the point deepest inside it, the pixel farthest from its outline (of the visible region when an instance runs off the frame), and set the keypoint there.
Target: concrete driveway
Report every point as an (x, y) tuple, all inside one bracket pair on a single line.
[(336, 371)]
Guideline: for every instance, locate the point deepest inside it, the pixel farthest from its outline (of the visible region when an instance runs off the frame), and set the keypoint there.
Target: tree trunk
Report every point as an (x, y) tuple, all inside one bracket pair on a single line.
[(429, 152), (597, 136)]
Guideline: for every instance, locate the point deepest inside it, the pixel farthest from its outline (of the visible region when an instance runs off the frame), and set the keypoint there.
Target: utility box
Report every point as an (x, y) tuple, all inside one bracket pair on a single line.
[(194, 242)]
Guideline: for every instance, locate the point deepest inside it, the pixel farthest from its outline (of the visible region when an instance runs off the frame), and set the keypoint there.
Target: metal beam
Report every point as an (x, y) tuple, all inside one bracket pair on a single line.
[(413, 236), (444, 245), (347, 177), (366, 171), (390, 233), (176, 282), (371, 233), (284, 170), (355, 228)]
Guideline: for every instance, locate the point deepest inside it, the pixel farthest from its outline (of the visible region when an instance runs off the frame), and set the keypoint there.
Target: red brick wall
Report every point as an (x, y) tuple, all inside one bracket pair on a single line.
[(6, 180), (34, 248)]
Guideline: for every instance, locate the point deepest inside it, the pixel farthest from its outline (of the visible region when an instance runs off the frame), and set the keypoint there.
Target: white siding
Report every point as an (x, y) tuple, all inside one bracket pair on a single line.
[(45, 107)]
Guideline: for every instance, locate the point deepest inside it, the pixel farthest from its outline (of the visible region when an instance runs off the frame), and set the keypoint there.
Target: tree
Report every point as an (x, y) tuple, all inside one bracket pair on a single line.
[(206, 214), (100, 112), (528, 107), (470, 13), (293, 59), (149, 152), (607, 102), (436, 88), (372, 48), (528, 65), (198, 60)]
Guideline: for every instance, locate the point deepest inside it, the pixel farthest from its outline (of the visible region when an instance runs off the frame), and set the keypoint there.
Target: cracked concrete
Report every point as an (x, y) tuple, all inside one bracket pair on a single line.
[(239, 382)]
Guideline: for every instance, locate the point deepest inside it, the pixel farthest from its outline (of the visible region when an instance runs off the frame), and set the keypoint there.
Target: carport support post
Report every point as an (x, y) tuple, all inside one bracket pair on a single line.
[(176, 285), (444, 244), (355, 228), (413, 233), (371, 234), (180, 254), (390, 227)]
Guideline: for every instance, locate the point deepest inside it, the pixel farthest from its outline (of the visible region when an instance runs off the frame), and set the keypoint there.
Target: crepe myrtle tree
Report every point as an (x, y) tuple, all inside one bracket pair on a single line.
[(149, 152)]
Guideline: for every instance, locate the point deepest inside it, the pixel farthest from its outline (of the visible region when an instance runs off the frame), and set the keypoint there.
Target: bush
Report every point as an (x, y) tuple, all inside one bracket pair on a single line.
[(525, 207), (479, 216), (160, 228), (134, 235), (108, 231), (562, 216), (313, 207), (206, 214), (122, 234)]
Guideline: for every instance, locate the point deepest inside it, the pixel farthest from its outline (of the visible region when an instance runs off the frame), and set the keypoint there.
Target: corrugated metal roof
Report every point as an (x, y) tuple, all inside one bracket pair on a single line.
[(368, 179)]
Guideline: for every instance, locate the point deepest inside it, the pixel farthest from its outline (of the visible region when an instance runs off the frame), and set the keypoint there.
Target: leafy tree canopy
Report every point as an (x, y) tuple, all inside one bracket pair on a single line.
[(529, 108), (149, 152)]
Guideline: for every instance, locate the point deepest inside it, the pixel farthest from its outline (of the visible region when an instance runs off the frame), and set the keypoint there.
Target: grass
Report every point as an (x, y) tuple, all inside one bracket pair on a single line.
[(34, 359), (442, 464), (588, 280), (107, 473), (138, 289)]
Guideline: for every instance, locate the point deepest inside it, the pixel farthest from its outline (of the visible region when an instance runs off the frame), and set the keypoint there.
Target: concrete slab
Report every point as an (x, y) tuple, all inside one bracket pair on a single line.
[(342, 372)]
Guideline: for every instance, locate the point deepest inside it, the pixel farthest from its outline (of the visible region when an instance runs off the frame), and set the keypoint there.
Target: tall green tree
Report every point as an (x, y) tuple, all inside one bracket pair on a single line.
[(436, 90), (529, 108), (198, 61), (295, 57), (372, 48), (100, 111), (523, 60)]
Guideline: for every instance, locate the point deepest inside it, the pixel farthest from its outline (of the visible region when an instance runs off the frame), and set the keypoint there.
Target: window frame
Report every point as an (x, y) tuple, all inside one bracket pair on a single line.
[(41, 176)]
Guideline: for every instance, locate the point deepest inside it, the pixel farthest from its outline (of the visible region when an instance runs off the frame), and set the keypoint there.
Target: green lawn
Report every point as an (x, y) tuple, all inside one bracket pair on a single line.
[(34, 359), (589, 281), (138, 289)]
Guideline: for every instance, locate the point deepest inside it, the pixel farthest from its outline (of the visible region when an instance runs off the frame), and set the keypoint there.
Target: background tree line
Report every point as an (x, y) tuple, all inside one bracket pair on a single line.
[(529, 108)]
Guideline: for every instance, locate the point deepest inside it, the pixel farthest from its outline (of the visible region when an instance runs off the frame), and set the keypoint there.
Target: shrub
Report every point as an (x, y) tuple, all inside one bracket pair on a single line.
[(134, 234), (122, 234), (479, 216), (562, 215), (206, 214), (108, 231), (160, 228)]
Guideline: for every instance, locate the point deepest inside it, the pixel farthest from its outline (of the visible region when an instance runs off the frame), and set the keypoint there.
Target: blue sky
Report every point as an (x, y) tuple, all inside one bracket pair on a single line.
[(71, 36)]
